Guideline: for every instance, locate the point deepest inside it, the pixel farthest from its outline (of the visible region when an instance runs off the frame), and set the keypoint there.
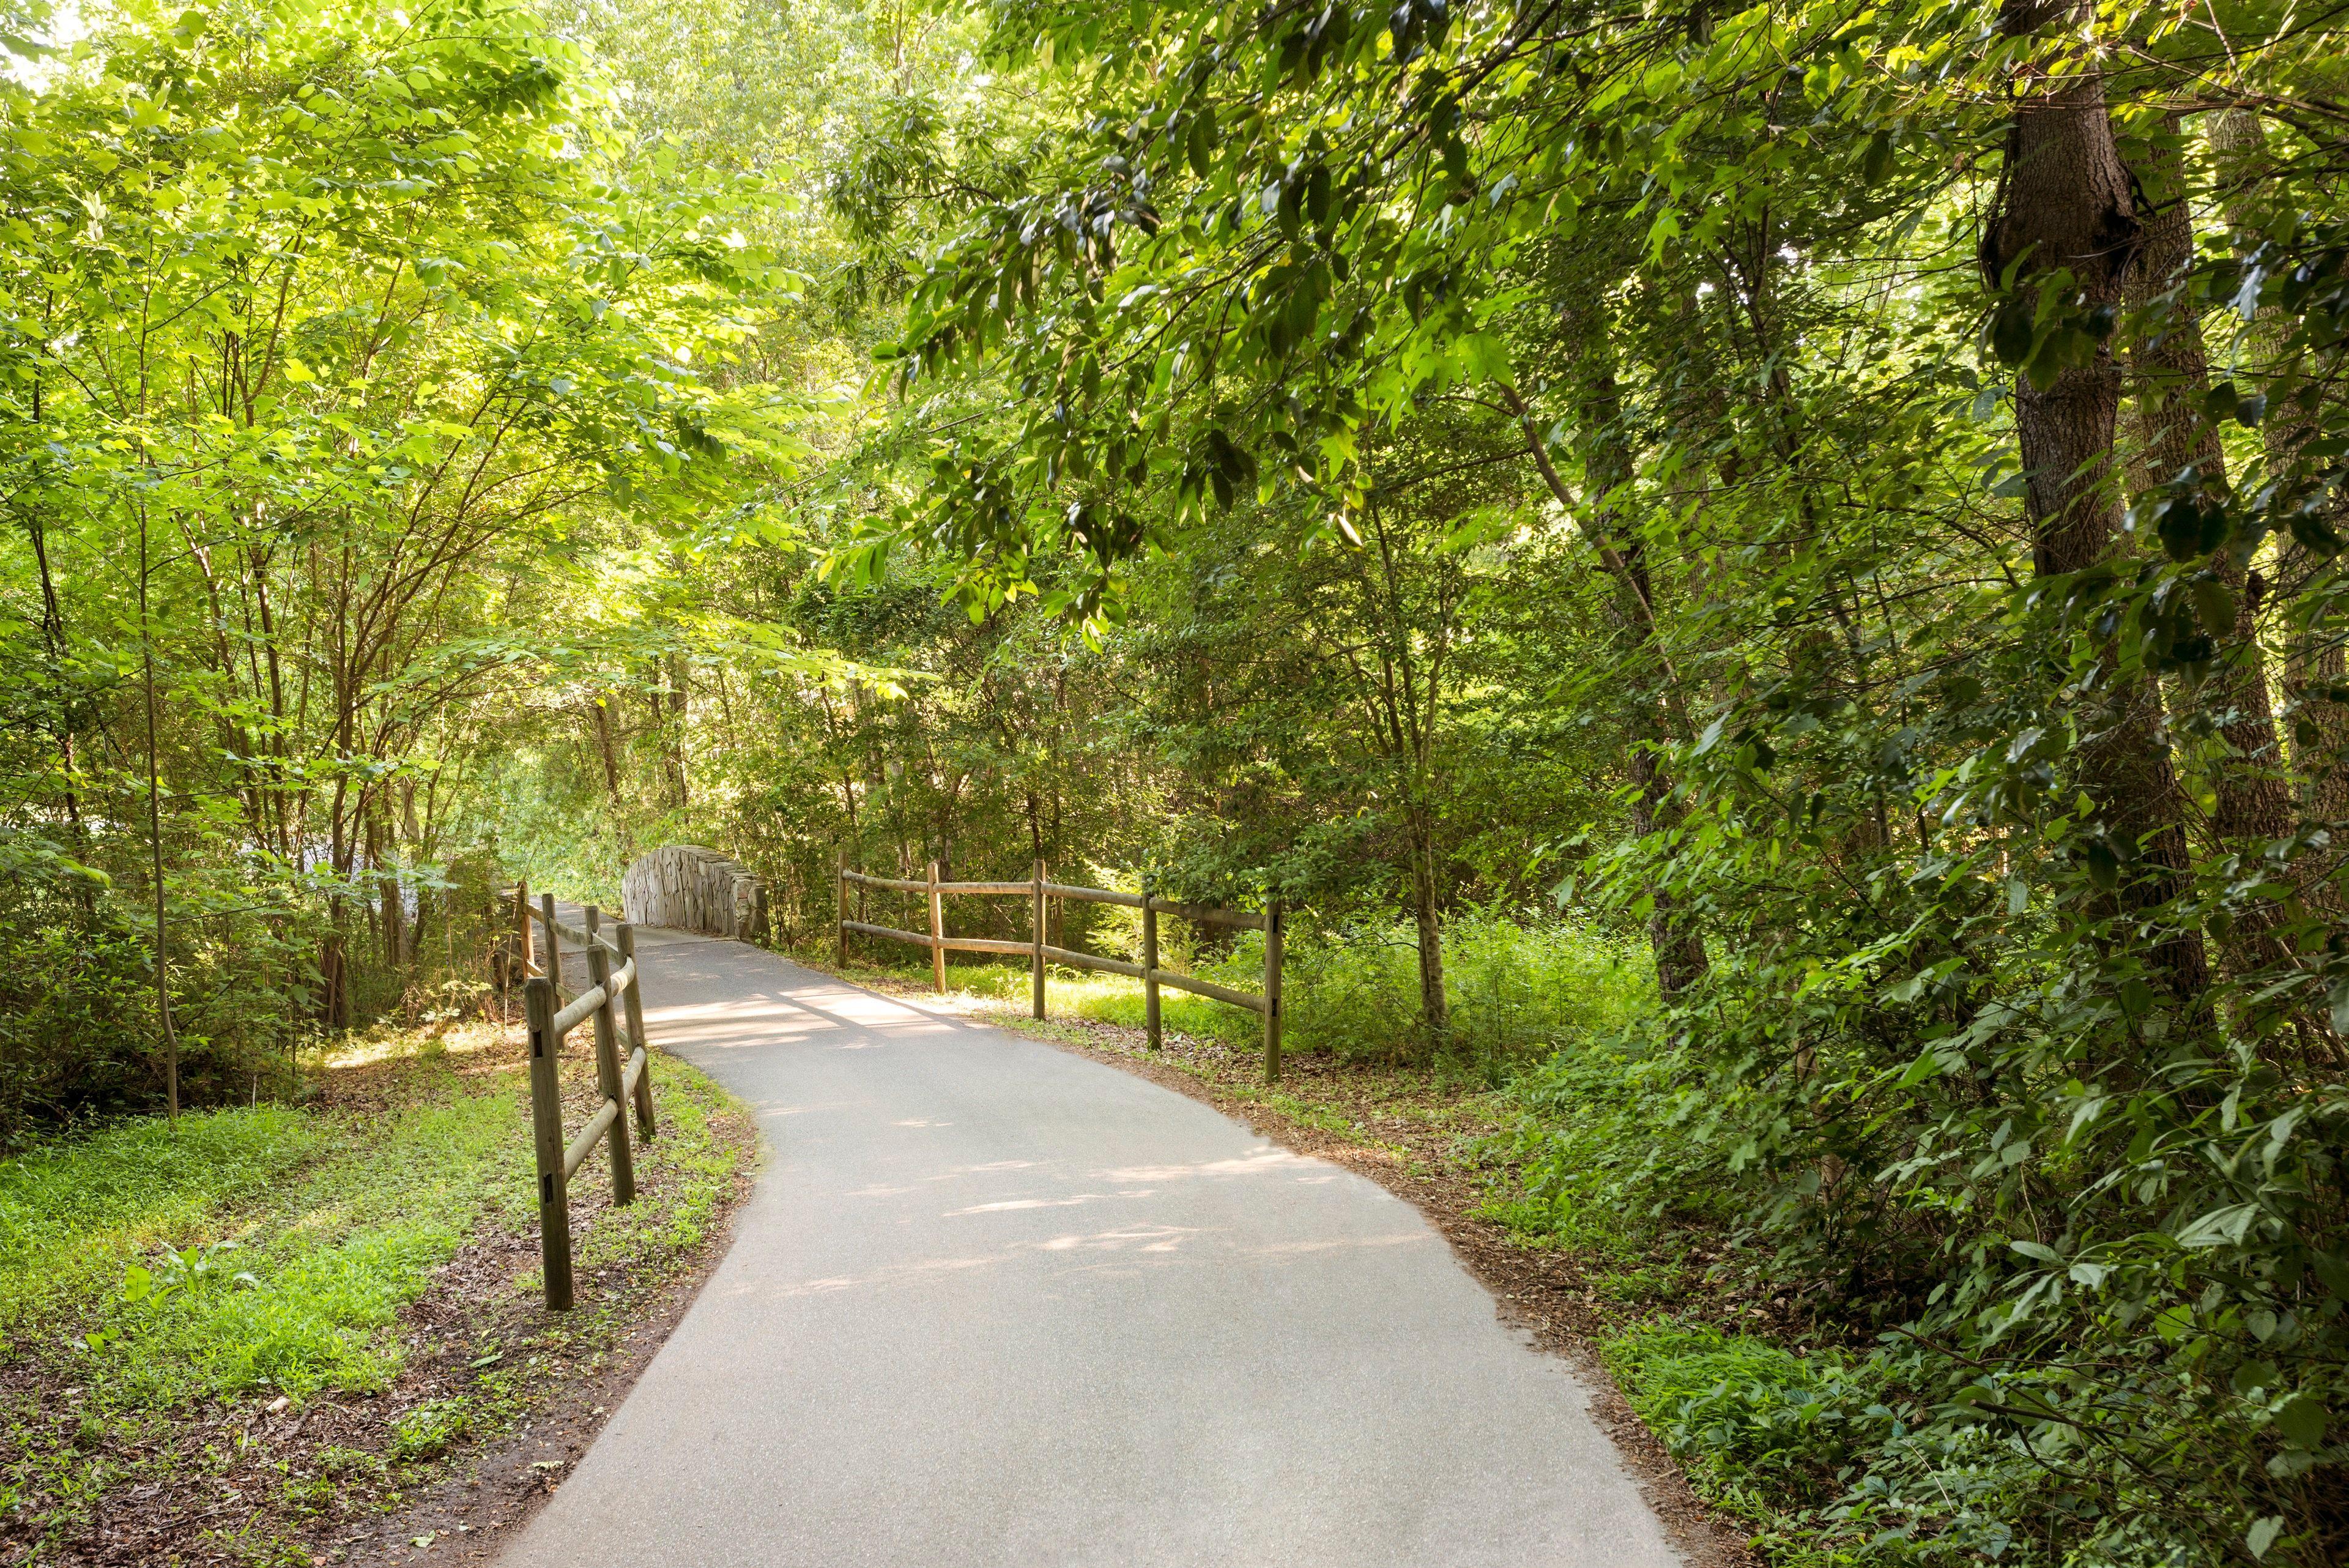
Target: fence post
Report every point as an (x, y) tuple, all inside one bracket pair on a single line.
[(1272, 946), (554, 965), (840, 930), (608, 1068), (636, 1041), (1150, 962), (546, 1141), (938, 934), (521, 933), (1036, 933)]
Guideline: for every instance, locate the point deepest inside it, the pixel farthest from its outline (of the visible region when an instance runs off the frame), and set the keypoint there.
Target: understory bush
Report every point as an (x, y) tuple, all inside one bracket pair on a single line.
[(2058, 1311), (1517, 986), (81, 1037), (1826, 1455), (80, 1033)]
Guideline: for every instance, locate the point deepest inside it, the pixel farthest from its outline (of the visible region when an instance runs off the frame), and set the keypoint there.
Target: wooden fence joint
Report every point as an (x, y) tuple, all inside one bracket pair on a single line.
[(1039, 890), (622, 1081)]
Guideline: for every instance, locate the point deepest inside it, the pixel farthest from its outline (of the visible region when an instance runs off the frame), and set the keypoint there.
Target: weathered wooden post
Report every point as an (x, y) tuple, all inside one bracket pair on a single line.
[(554, 965), (938, 934), (1272, 946), (1150, 962), (840, 930), (636, 1041), (1036, 933), (546, 1141), (521, 935), (608, 1076)]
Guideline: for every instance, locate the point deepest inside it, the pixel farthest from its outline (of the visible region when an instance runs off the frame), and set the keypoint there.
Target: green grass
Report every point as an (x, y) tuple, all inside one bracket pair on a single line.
[(1517, 989), (273, 1248), (243, 1255)]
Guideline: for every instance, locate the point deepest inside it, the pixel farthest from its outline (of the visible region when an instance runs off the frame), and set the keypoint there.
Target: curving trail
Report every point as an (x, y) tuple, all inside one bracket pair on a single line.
[(993, 1303)]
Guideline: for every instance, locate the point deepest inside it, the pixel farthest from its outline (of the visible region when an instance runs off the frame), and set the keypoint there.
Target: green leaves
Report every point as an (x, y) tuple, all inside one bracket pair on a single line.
[(2046, 327), (2191, 524), (1199, 142), (1229, 468), (2224, 1227), (1876, 160)]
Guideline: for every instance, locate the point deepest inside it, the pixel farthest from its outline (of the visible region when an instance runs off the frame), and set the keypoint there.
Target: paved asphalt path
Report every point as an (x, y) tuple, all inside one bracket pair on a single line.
[(991, 1304)]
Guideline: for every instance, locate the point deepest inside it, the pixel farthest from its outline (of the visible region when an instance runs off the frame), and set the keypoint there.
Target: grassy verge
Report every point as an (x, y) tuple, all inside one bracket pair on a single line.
[(255, 1335)]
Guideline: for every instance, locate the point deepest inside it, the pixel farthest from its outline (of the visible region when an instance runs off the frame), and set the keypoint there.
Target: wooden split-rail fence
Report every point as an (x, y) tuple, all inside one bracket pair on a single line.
[(1038, 889), (611, 981)]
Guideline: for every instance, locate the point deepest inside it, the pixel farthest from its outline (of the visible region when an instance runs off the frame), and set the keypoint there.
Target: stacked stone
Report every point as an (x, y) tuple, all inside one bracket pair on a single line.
[(687, 887)]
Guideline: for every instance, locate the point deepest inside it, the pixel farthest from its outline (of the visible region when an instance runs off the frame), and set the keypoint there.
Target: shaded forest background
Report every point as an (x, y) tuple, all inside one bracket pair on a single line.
[(1766, 581)]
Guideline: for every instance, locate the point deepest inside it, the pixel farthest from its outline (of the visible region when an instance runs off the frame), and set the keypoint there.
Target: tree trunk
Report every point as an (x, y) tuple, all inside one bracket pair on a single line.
[(673, 730), (2254, 805), (2066, 203), (1434, 1007), (2312, 658), (1678, 946), (600, 713), (334, 967), (397, 946), (155, 836), (334, 955)]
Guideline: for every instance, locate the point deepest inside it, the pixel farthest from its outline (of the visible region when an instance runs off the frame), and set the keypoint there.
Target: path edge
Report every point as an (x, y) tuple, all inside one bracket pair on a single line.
[(1540, 1310)]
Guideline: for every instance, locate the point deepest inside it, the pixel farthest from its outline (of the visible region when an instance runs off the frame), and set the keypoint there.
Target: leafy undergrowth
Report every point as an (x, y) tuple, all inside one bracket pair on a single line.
[(249, 1336)]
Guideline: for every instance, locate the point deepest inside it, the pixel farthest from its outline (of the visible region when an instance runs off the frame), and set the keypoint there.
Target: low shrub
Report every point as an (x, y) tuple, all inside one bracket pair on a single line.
[(1515, 987)]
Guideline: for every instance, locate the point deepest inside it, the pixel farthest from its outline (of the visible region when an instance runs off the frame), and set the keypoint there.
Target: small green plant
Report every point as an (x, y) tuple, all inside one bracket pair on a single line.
[(178, 1271), (309, 1494), (427, 1431), (338, 1461), (190, 1269)]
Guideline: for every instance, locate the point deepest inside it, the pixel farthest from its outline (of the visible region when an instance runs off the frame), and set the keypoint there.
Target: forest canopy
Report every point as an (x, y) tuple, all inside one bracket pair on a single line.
[(1842, 501)]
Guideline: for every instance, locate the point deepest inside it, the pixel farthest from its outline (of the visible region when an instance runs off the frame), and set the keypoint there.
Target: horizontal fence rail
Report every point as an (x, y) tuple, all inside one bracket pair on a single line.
[(1038, 890), (612, 979)]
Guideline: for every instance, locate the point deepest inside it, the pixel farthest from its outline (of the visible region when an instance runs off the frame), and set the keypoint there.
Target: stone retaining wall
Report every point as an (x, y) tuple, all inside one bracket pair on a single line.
[(688, 888)]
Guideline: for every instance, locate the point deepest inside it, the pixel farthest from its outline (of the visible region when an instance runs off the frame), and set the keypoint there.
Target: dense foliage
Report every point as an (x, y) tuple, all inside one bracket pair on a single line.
[(1844, 498), (325, 330)]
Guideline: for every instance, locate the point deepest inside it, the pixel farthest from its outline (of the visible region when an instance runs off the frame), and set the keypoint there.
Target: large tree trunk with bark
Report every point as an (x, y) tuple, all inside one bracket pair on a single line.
[(2066, 203), (2171, 364), (2313, 662)]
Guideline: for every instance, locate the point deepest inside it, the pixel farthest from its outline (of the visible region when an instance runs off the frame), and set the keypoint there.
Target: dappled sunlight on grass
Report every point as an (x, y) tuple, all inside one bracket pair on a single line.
[(468, 1040), (276, 1244)]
